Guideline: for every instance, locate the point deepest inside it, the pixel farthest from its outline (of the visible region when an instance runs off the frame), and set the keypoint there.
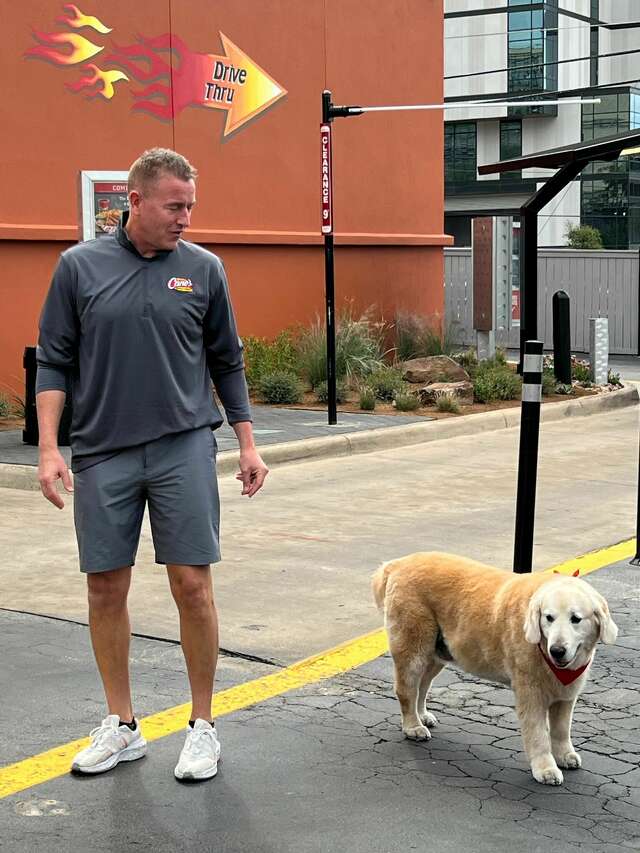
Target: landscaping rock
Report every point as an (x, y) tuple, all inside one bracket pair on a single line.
[(435, 368), (462, 392)]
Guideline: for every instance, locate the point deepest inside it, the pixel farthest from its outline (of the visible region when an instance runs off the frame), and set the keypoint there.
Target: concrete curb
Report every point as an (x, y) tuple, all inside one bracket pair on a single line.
[(368, 441)]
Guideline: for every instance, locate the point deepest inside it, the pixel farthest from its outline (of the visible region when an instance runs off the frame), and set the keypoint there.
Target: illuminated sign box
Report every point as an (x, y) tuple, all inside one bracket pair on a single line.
[(103, 198)]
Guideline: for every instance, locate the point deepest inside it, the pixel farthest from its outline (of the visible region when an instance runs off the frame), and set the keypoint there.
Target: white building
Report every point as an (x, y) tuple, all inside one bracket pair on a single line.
[(524, 45)]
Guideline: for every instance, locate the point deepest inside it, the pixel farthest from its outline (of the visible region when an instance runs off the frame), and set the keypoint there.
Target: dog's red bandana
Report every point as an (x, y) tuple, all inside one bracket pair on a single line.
[(566, 676)]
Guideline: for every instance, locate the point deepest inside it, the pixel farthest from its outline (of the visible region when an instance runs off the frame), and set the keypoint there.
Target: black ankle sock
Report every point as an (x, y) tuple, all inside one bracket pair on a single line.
[(211, 723), (131, 725)]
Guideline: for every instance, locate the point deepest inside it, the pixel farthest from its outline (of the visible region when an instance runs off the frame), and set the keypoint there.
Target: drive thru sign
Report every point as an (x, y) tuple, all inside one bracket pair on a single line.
[(327, 212)]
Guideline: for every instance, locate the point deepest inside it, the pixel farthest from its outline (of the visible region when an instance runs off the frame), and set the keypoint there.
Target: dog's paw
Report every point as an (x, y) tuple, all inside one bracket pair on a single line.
[(429, 719), (417, 732), (548, 776), (570, 760)]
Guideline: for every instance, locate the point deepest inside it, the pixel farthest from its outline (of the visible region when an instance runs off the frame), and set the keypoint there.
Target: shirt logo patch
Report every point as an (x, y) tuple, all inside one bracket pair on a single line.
[(184, 285)]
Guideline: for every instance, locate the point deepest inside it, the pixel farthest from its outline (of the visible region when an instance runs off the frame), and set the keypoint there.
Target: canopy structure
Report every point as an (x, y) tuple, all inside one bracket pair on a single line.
[(569, 160)]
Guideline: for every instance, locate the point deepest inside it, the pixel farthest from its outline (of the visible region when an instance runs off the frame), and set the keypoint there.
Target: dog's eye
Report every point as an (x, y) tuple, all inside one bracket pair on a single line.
[(550, 618), (576, 619)]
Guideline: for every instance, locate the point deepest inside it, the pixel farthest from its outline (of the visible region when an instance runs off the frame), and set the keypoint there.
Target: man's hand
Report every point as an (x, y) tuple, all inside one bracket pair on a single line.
[(252, 472), (52, 468)]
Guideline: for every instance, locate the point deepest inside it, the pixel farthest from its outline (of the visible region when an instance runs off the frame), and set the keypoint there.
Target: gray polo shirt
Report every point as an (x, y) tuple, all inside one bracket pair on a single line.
[(139, 340)]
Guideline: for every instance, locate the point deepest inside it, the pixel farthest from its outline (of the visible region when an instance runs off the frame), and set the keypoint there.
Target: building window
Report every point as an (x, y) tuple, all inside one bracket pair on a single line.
[(460, 152), (532, 52), (510, 146), (610, 190)]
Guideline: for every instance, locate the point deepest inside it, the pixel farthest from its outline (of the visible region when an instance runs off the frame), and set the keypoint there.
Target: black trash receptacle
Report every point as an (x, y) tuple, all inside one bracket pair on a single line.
[(30, 433)]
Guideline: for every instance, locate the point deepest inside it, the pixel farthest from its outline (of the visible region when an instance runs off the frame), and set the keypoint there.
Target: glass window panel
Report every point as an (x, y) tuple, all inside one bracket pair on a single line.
[(519, 20)]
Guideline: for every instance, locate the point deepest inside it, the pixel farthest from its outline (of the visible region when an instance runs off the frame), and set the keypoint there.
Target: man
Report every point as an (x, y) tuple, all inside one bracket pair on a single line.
[(139, 323)]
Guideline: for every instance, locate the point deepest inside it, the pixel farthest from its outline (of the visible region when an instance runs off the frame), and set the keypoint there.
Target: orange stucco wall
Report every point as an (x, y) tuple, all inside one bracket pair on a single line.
[(258, 190)]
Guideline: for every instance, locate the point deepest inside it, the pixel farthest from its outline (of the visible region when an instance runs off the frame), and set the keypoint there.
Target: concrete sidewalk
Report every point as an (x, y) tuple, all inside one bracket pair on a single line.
[(325, 768)]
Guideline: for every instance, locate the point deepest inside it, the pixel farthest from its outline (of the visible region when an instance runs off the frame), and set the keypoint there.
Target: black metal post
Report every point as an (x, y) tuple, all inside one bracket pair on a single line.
[(561, 337), (332, 409), (528, 458)]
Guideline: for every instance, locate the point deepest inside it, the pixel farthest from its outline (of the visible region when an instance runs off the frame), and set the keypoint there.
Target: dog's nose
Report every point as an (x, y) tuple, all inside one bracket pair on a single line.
[(558, 652)]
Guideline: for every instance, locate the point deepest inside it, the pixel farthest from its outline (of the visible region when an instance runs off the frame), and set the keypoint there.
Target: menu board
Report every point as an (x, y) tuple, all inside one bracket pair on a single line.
[(103, 198), (110, 199)]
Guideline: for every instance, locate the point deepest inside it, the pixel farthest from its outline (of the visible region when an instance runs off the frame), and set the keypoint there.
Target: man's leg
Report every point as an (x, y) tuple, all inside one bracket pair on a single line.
[(192, 590), (110, 636)]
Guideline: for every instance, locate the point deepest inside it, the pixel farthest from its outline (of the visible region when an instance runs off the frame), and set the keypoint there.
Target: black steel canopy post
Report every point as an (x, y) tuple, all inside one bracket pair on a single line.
[(529, 253)]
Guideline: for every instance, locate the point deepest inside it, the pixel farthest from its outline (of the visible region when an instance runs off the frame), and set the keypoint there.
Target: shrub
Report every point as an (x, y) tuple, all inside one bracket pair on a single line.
[(5, 407), (613, 378), (262, 357), (386, 382), (583, 237), (358, 349), (405, 401), (447, 403), (494, 381), (280, 387), (418, 337), (322, 392), (548, 382), (367, 399), (580, 370), (467, 359)]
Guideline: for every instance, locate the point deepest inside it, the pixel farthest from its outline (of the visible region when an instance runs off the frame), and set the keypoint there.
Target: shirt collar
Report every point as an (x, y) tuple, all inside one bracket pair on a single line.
[(123, 238)]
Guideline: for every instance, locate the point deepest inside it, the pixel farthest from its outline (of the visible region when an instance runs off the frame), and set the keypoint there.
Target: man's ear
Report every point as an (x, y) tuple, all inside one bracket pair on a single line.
[(532, 620)]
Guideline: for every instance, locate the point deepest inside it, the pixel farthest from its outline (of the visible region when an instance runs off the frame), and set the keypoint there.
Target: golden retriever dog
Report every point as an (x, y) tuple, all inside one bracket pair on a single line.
[(534, 632)]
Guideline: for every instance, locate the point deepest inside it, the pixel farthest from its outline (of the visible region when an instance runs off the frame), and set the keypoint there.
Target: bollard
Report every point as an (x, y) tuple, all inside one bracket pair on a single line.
[(561, 337), (528, 457)]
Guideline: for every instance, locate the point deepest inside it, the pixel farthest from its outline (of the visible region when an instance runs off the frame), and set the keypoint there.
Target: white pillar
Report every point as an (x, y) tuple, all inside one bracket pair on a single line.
[(599, 349)]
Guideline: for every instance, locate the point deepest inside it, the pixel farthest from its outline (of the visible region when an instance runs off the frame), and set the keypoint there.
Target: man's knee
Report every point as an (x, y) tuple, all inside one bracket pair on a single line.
[(191, 587), (108, 590)]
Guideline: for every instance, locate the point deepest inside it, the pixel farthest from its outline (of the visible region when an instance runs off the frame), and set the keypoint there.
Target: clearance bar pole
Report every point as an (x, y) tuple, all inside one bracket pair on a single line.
[(528, 461), (327, 230)]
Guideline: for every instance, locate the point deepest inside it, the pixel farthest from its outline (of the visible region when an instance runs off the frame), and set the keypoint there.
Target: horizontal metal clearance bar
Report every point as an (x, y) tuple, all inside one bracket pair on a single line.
[(468, 104)]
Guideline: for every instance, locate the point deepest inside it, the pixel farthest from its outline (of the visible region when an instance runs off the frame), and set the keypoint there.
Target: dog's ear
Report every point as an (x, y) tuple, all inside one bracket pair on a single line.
[(608, 628), (532, 620)]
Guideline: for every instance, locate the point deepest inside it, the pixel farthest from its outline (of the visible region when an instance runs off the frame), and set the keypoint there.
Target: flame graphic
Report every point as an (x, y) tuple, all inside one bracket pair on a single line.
[(81, 48), (107, 78), (78, 19)]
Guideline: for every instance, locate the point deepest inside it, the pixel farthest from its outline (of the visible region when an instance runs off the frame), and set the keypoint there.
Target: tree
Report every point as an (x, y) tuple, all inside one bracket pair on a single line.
[(583, 237)]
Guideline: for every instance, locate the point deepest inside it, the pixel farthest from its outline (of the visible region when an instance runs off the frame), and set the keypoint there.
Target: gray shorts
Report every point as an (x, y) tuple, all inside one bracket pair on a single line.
[(176, 476)]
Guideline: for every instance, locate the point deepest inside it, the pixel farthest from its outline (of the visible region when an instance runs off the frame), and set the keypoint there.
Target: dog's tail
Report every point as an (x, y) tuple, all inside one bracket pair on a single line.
[(379, 583)]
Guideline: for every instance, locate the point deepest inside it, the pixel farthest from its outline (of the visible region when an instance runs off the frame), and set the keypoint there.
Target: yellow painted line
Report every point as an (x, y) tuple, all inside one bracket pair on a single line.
[(595, 560), (56, 762)]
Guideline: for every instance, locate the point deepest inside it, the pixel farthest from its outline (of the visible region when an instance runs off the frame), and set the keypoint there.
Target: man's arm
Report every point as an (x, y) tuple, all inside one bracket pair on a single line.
[(51, 465)]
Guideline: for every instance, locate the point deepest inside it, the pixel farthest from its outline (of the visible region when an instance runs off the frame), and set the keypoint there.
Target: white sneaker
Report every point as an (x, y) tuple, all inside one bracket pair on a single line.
[(200, 753), (110, 743)]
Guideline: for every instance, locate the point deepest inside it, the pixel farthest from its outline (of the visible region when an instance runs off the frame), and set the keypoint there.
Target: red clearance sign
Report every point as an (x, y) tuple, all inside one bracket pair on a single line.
[(327, 201)]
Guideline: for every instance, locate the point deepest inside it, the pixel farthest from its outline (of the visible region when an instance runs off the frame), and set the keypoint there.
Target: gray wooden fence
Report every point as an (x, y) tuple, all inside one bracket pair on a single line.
[(599, 284)]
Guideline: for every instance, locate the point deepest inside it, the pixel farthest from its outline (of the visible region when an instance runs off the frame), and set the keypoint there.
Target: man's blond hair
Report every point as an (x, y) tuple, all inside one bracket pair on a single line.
[(155, 162)]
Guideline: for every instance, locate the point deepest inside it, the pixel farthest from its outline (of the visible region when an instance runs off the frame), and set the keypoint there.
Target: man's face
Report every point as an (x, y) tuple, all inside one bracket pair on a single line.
[(161, 212)]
